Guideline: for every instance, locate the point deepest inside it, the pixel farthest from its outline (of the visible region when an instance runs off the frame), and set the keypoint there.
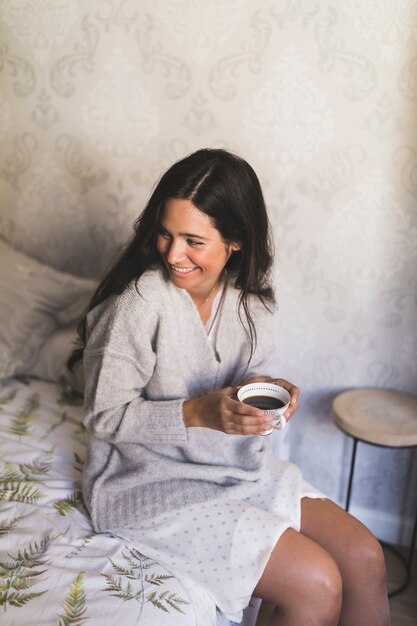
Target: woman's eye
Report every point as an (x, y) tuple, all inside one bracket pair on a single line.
[(193, 242), (163, 233)]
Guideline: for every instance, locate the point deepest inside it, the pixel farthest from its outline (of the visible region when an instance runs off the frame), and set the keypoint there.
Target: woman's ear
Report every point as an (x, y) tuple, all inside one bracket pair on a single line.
[(235, 246)]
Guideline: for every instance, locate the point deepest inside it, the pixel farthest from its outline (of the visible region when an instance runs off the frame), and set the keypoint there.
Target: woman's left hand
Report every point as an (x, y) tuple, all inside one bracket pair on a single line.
[(292, 389)]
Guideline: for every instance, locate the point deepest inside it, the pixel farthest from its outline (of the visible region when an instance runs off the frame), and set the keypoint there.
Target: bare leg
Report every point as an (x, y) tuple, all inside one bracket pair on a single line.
[(303, 581), (359, 558), (332, 573)]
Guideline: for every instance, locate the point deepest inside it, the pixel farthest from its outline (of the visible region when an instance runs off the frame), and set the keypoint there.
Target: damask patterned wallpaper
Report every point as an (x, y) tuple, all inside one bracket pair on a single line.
[(97, 98)]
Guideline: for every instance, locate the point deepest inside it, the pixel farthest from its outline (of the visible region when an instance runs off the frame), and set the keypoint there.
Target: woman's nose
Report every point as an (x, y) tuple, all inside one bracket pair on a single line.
[(175, 252)]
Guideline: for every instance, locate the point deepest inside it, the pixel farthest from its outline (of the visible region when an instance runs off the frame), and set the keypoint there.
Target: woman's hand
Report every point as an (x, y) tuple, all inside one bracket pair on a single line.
[(221, 411), (292, 389)]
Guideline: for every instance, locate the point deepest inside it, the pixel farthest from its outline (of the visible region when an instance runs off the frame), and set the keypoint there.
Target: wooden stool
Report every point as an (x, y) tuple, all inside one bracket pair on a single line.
[(385, 418)]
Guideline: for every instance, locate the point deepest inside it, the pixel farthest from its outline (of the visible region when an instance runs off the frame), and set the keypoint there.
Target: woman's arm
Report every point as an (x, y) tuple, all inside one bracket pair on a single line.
[(120, 359), (117, 412)]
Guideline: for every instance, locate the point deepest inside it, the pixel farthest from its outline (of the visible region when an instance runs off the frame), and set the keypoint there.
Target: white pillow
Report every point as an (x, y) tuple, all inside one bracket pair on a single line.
[(34, 301), (54, 353)]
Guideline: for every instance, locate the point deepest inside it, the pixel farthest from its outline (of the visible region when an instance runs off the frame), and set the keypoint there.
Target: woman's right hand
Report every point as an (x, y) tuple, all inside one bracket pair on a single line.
[(220, 410)]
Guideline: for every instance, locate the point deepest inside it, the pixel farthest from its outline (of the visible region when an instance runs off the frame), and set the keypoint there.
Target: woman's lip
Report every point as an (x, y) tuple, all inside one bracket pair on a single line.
[(183, 271)]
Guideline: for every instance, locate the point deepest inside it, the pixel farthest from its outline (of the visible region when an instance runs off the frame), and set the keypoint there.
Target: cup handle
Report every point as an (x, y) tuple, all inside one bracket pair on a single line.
[(282, 423)]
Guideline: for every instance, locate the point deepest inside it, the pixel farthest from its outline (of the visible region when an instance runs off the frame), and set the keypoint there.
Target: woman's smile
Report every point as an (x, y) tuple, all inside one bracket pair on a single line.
[(183, 270)]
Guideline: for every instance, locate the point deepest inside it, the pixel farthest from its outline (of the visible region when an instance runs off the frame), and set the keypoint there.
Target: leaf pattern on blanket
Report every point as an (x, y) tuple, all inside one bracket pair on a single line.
[(75, 604), (85, 541), (16, 479), (70, 503), (121, 586), (20, 492), (22, 421), (78, 463), (32, 471), (8, 525), (20, 573)]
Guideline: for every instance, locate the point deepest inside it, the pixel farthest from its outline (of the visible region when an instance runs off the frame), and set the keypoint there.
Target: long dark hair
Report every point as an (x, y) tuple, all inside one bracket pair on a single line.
[(223, 186)]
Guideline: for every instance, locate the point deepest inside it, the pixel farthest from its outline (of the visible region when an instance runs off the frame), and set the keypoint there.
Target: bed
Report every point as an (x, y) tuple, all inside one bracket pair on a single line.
[(53, 568)]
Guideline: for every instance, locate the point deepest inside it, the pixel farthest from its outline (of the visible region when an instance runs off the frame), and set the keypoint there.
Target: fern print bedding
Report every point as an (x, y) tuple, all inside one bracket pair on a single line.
[(54, 570)]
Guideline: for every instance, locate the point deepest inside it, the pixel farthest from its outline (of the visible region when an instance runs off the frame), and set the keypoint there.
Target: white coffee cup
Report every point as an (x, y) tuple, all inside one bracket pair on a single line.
[(272, 399)]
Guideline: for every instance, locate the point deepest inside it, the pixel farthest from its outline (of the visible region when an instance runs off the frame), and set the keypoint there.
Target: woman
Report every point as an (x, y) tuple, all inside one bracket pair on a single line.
[(175, 463)]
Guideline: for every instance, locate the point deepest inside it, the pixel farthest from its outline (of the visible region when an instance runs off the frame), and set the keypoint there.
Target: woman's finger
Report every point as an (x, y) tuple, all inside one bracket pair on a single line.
[(240, 408), (293, 390), (240, 428), (245, 419)]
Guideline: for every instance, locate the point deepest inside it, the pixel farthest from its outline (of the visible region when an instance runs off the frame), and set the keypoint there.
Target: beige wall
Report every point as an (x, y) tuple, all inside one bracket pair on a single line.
[(98, 97)]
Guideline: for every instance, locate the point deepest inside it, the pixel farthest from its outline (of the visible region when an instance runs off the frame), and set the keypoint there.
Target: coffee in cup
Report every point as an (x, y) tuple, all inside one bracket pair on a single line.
[(272, 399)]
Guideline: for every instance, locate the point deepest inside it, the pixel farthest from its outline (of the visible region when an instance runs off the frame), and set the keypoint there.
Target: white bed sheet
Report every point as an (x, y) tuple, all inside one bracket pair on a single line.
[(53, 568)]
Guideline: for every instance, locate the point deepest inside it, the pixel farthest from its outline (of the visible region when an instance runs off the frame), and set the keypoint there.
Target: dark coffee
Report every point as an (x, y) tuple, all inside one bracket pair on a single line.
[(264, 402)]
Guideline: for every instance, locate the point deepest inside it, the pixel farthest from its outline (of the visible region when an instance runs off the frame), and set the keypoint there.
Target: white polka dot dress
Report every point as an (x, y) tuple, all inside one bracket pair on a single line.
[(219, 549)]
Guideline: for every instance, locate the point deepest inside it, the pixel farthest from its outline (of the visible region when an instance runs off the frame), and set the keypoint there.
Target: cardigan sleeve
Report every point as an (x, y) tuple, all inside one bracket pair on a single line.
[(117, 410), (119, 361)]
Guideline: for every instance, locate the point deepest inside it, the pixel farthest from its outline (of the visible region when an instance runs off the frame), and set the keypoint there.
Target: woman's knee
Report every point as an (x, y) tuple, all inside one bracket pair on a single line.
[(317, 598), (355, 549), (325, 585), (367, 558), (302, 580)]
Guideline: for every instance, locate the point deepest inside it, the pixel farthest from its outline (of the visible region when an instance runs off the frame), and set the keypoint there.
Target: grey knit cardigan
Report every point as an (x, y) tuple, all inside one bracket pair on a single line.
[(147, 351)]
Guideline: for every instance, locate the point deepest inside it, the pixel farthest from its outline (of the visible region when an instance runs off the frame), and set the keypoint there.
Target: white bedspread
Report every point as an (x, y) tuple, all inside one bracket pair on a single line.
[(53, 568)]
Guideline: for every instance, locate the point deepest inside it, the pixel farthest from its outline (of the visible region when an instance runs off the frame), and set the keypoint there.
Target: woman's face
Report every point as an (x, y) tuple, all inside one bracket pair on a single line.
[(191, 247)]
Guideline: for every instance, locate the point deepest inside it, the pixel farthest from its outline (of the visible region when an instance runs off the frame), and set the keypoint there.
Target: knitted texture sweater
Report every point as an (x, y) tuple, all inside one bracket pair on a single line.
[(146, 353)]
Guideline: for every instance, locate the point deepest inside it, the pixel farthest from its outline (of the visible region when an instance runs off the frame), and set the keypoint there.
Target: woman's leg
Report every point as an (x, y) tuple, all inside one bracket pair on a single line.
[(359, 558), (331, 573), (303, 581)]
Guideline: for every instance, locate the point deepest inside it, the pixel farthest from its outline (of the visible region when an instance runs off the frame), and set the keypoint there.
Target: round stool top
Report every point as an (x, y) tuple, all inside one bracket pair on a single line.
[(379, 416)]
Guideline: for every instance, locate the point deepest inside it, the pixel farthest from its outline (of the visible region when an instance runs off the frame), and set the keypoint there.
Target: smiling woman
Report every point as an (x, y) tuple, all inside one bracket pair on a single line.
[(176, 465)]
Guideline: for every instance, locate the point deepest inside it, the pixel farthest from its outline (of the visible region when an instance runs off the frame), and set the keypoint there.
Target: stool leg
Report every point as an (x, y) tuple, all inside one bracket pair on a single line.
[(351, 472), (407, 563), (412, 546)]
